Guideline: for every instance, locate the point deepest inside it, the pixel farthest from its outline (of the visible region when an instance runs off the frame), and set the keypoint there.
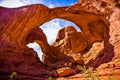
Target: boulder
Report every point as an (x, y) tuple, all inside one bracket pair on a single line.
[(63, 72)]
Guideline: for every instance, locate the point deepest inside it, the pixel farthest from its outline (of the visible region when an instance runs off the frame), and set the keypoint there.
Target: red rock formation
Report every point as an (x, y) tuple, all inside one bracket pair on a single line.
[(93, 27), (38, 36), (110, 10), (26, 64), (69, 41), (108, 61), (19, 26), (17, 23)]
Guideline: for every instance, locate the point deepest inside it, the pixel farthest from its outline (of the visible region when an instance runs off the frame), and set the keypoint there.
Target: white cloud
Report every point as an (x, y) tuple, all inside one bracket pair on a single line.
[(51, 29), (36, 48), (32, 1), (11, 3), (51, 5), (67, 23), (18, 3)]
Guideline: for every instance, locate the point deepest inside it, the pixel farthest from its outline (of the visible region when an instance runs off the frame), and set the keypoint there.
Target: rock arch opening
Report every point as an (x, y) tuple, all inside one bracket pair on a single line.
[(52, 27), (92, 28), (36, 48)]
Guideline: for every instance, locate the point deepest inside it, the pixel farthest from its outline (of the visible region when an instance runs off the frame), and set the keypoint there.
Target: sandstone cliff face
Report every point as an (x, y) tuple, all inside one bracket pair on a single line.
[(108, 60), (110, 10), (98, 20), (18, 27), (69, 41), (30, 18)]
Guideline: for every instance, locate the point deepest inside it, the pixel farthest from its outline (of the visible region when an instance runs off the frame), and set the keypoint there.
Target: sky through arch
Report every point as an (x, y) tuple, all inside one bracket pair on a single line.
[(54, 25)]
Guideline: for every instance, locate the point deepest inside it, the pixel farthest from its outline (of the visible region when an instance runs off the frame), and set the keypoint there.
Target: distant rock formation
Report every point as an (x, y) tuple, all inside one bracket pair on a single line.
[(98, 20), (69, 41)]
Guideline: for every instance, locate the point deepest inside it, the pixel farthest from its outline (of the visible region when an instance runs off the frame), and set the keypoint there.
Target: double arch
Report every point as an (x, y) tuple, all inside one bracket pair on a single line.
[(25, 25)]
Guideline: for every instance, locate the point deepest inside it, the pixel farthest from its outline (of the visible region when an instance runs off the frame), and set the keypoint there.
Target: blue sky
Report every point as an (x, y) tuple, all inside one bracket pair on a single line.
[(52, 3), (49, 28), (49, 3)]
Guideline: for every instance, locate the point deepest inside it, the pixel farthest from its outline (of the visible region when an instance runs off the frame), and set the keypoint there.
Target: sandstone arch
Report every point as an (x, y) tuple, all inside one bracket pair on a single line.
[(93, 26), (20, 29), (18, 26), (84, 20), (30, 18)]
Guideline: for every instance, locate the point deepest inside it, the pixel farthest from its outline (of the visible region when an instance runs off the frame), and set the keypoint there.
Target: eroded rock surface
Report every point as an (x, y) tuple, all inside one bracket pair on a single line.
[(108, 60), (19, 26), (69, 41)]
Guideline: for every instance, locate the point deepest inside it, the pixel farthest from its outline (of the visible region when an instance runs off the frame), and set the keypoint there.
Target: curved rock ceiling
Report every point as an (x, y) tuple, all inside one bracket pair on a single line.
[(34, 15), (20, 25)]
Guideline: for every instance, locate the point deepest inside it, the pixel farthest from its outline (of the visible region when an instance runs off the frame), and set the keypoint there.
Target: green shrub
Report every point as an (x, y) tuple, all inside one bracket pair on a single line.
[(50, 78), (90, 73), (13, 76), (97, 76), (110, 77), (83, 69)]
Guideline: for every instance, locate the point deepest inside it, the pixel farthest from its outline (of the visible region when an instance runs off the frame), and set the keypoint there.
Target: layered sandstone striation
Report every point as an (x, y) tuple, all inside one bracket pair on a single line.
[(65, 39), (97, 45), (107, 62), (18, 27)]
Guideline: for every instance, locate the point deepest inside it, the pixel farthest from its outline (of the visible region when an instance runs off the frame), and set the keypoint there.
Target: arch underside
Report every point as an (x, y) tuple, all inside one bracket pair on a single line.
[(23, 28), (69, 41)]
